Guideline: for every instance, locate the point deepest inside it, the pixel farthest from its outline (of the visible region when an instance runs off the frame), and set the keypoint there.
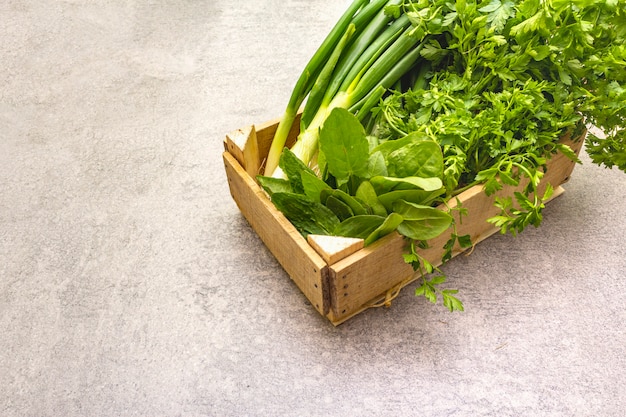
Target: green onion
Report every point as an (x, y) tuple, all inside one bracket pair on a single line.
[(306, 81), (389, 65)]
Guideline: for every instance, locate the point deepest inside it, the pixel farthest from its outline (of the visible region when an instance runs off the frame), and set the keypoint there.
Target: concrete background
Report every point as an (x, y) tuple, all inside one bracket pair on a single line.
[(130, 284)]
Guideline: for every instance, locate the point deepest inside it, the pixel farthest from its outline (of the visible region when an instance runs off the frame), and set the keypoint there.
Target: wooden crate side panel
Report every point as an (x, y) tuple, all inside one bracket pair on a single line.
[(364, 277), (305, 267), (563, 165)]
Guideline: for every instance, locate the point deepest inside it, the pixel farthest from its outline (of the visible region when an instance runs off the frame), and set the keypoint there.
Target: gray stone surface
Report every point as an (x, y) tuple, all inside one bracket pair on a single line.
[(130, 284)]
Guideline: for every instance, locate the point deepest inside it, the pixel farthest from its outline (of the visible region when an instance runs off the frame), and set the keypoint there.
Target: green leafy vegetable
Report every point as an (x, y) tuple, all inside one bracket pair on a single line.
[(308, 216), (390, 224), (343, 141), (359, 226), (417, 159), (421, 222), (294, 168), (313, 185), (411, 102), (367, 194), (274, 185), (386, 184), (420, 197)]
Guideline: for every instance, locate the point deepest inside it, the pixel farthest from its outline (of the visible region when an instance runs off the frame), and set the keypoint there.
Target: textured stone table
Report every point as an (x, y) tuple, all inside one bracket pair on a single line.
[(130, 285)]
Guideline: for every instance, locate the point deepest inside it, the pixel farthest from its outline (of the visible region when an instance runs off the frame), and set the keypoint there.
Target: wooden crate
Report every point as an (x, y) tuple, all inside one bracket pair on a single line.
[(339, 277)]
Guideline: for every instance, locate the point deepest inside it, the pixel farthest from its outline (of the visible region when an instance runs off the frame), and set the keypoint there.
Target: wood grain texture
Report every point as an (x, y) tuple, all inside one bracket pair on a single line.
[(305, 267)]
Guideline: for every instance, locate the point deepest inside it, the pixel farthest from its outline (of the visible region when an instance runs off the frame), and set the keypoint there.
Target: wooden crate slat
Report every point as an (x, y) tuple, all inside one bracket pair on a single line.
[(305, 267)]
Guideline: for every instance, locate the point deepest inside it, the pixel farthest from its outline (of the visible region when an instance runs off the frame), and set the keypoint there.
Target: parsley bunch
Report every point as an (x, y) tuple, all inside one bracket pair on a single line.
[(502, 81)]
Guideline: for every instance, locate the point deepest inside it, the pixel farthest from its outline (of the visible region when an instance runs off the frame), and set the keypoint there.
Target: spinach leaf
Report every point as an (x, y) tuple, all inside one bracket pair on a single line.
[(307, 216), (421, 197), (273, 185), (416, 159), (421, 222), (390, 224), (355, 206), (367, 194), (313, 185), (385, 148), (344, 145), (341, 209), (376, 165), (359, 226), (386, 184), (293, 168)]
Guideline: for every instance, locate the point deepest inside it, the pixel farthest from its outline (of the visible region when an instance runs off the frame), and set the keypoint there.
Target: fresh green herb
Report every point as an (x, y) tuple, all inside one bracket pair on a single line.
[(411, 102), (430, 288)]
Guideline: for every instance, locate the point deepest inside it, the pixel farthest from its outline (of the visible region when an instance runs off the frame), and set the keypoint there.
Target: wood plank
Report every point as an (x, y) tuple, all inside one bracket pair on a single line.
[(305, 267)]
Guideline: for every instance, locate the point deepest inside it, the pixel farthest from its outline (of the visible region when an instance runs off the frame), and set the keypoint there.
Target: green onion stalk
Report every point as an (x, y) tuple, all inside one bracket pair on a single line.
[(366, 53), (305, 82)]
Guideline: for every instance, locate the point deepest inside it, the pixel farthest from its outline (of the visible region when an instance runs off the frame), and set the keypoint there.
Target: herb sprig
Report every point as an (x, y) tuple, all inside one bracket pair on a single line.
[(411, 102)]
